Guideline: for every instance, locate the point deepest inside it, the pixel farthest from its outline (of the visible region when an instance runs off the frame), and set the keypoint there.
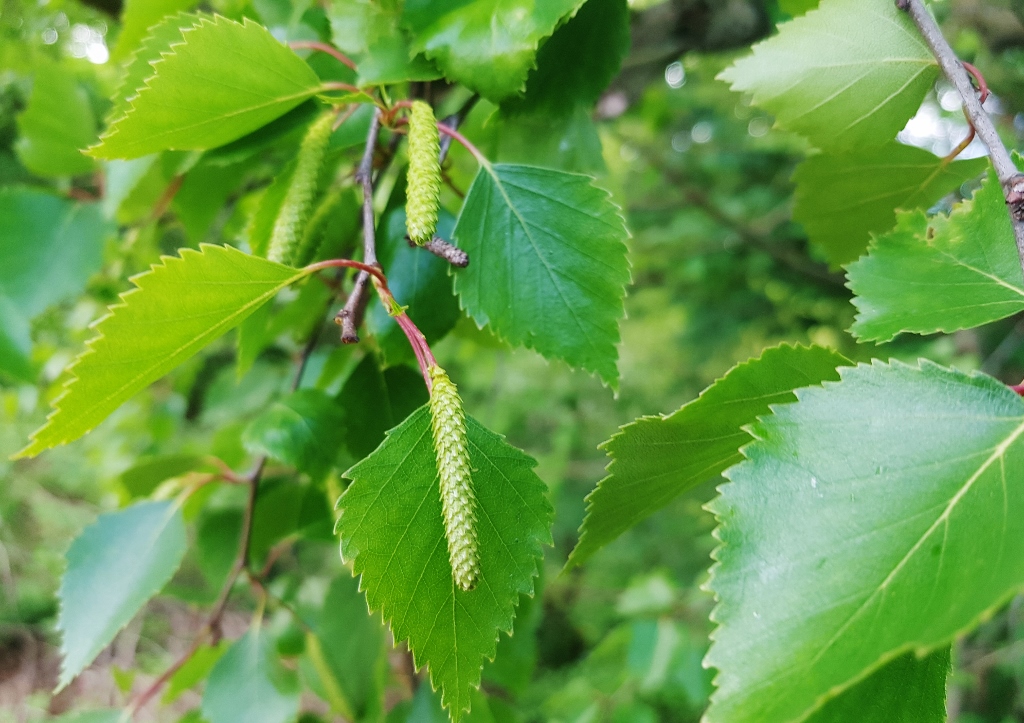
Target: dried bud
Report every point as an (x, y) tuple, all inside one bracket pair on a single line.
[(424, 179), (458, 501), (290, 223)]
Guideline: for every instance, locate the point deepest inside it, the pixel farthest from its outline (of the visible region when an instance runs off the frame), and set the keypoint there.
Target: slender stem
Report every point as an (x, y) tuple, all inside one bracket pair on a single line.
[(455, 135), (453, 121), (147, 695), (1010, 178), (323, 48)]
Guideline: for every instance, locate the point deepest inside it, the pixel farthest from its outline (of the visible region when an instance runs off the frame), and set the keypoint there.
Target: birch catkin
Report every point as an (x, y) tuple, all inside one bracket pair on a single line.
[(424, 186), (458, 501), (298, 201)]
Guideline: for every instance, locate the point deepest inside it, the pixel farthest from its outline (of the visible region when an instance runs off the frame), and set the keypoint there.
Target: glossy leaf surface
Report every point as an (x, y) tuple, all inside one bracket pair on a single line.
[(548, 265), (878, 515)]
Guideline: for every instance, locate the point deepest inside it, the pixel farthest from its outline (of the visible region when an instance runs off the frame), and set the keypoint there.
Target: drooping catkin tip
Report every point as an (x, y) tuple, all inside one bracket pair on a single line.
[(458, 499), (423, 191)]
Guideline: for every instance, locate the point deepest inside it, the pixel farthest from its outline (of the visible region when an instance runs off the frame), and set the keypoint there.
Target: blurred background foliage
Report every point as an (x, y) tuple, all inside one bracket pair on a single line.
[(720, 271)]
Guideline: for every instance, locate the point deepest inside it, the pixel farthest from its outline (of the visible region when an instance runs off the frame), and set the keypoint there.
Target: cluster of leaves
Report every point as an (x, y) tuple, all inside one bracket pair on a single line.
[(868, 517)]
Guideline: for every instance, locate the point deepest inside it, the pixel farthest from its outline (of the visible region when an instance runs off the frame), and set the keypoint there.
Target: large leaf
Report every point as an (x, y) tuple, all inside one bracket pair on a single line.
[(655, 459), (940, 274), (906, 690), (843, 198), (849, 74), (878, 515), (180, 305), (561, 83), (249, 685), (49, 247), (391, 528), (57, 124), (224, 80), (114, 567), (548, 266), (487, 45)]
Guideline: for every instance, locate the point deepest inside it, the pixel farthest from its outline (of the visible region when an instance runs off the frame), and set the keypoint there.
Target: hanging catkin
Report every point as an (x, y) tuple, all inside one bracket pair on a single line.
[(458, 501), (424, 184), (298, 201)]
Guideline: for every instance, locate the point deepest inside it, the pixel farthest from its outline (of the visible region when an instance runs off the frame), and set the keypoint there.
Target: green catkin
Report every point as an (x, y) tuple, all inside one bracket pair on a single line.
[(423, 191), (298, 201), (458, 501)]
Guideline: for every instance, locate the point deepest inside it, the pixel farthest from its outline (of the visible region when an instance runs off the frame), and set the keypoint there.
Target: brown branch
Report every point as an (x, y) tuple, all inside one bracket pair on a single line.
[(1010, 178), (351, 315)]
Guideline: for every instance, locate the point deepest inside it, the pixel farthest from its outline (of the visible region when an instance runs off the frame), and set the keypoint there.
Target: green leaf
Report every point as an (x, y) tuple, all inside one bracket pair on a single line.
[(138, 17), (908, 689), (224, 80), (418, 279), (847, 75), (89, 716), (547, 263), (566, 143), (194, 671), (560, 83), (655, 459), (375, 401), (178, 307), (49, 247), (369, 33), (15, 342), (142, 478), (797, 7), (350, 645), (57, 124), (486, 45), (905, 281), (303, 430), (392, 530), (878, 515), (844, 198), (203, 194), (114, 567), (249, 685)]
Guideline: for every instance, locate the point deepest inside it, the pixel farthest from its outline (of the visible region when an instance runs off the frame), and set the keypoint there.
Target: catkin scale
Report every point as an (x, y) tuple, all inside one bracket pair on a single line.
[(298, 201), (458, 500), (423, 191)]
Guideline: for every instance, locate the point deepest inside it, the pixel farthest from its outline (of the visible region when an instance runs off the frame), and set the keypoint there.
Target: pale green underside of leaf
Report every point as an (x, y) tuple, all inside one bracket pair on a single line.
[(57, 124), (549, 267), (487, 45), (249, 683), (222, 81), (391, 527), (655, 459), (942, 273), (849, 74), (179, 306), (843, 198), (877, 515), (114, 567)]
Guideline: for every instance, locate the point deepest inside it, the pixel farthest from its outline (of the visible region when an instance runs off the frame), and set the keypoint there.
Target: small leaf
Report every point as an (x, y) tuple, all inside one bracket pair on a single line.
[(249, 685), (905, 281), (304, 430), (114, 567), (194, 671), (178, 307), (57, 124), (847, 75), (391, 527), (878, 515), (548, 266), (655, 459), (843, 198), (908, 689), (39, 265), (486, 45), (224, 80), (369, 33)]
